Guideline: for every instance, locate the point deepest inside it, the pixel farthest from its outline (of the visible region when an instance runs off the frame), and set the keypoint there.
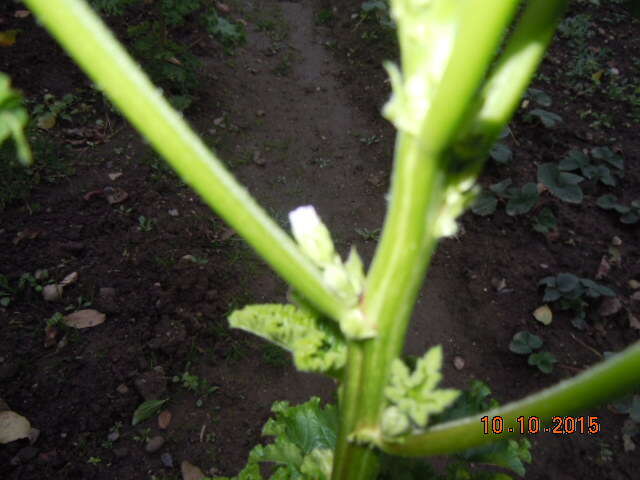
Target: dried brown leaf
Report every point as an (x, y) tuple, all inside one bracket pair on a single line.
[(13, 427), (84, 318), (190, 471)]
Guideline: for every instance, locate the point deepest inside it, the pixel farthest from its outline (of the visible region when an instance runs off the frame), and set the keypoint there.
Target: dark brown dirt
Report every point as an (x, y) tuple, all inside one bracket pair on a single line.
[(295, 113)]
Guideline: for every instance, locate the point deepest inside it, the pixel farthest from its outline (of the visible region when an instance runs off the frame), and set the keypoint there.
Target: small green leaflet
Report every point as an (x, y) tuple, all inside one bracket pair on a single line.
[(147, 410), (316, 345), (414, 393)]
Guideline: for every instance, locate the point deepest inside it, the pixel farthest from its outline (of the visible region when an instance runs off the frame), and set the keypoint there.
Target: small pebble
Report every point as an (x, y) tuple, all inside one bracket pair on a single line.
[(167, 460), (154, 444)]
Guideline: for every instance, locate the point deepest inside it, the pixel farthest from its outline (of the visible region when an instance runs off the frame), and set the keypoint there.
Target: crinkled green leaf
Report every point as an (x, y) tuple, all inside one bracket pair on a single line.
[(309, 425), (509, 454), (305, 437), (415, 393), (316, 345), (147, 410), (318, 464)]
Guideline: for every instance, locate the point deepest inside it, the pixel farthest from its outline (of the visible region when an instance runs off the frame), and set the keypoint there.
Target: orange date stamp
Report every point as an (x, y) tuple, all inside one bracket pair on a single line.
[(569, 425)]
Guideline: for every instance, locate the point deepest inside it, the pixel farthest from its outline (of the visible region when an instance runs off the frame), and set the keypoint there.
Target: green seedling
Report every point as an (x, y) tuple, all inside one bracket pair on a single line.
[(143, 434), (369, 235), (459, 83), (229, 34), (195, 384), (55, 320), (51, 109), (545, 221), (569, 292), (519, 200), (35, 281), (525, 343), (629, 214), (145, 224)]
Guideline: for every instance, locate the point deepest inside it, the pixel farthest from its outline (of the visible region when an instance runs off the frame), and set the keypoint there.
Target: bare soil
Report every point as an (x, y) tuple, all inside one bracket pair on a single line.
[(295, 113)]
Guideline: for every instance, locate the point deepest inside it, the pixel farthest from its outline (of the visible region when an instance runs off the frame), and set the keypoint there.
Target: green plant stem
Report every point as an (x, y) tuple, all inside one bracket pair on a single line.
[(511, 76), (607, 380), (408, 238), (94, 48)]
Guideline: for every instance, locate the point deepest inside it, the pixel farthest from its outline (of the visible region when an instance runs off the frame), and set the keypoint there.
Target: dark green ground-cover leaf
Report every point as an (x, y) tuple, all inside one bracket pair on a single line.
[(629, 214), (546, 118), (501, 153), (523, 343), (522, 200), (485, 204), (543, 360), (545, 221), (563, 185)]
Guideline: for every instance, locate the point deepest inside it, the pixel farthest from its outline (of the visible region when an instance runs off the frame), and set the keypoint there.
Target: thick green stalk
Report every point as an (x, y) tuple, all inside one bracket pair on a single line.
[(419, 182), (606, 381), (416, 184), (511, 76), (94, 48)]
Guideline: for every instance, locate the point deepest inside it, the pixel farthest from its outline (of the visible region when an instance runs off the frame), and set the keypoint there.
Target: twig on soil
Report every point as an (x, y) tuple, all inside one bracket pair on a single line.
[(588, 347)]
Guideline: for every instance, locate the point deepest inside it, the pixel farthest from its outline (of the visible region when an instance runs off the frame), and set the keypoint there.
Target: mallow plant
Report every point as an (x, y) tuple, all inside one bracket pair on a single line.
[(459, 81)]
